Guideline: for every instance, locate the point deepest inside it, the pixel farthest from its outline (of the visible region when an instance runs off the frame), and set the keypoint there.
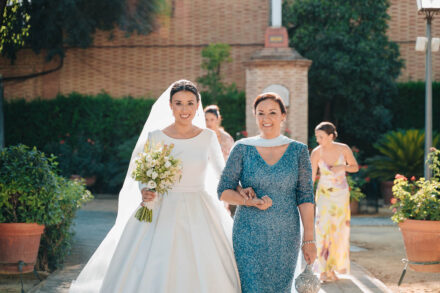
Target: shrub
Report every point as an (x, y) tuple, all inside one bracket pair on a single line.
[(31, 191), (401, 152), (56, 241)]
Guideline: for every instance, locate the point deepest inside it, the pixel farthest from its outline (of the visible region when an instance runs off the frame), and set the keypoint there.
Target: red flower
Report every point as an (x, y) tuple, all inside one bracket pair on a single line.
[(287, 130), (394, 210), (244, 133), (367, 179), (355, 149), (62, 141), (349, 188), (413, 178), (393, 200), (398, 176)]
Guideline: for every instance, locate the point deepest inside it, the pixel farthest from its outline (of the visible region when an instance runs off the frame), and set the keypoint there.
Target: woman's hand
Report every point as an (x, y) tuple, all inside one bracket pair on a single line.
[(339, 168), (148, 195), (247, 193), (265, 203), (309, 252)]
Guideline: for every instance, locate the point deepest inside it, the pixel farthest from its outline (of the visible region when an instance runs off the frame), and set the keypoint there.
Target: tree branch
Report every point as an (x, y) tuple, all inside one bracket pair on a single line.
[(32, 75), (2, 10)]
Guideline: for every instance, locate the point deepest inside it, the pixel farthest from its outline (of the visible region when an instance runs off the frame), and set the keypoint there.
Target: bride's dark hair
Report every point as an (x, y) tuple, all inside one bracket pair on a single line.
[(184, 85)]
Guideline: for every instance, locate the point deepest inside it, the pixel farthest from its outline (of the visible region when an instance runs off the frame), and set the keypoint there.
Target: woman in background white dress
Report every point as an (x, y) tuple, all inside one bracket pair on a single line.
[(188, 245)]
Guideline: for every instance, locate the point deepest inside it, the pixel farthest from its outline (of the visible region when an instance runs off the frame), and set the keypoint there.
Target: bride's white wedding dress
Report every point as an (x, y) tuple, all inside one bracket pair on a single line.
[(188, 245)]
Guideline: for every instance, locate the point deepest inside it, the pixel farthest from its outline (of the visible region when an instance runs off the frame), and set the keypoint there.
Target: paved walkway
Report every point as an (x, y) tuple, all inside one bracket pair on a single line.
[(97, 217)]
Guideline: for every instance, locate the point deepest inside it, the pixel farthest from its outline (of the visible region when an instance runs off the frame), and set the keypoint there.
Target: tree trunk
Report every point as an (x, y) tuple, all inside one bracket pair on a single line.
[(328, 111), (2, 125)]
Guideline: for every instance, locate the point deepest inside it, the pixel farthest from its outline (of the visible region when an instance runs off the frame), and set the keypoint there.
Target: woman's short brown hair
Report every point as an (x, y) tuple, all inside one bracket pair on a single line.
[(270, 96), (328, 128)]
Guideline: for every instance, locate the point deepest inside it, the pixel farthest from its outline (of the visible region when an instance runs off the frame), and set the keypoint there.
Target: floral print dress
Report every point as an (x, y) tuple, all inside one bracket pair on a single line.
[(333, 219)]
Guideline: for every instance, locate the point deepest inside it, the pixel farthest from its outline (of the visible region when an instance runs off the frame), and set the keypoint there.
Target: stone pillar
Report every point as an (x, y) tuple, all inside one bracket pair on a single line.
[(282, 70), (288, 70)]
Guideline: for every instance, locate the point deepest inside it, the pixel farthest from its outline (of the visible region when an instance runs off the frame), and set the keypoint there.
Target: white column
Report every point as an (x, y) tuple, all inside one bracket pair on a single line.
[(276, 13)]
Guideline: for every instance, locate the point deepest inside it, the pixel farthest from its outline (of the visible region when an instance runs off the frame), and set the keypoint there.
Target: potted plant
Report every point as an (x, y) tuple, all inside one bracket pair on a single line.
[(57, 238), (416, 206), (401, 152), (28, 193), (34, 198), (355, 183)]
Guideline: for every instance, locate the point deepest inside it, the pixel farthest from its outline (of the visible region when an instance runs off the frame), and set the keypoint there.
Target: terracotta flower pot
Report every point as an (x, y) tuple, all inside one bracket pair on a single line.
[(386, 189), (422, 243), (19, 241), (354, 207)]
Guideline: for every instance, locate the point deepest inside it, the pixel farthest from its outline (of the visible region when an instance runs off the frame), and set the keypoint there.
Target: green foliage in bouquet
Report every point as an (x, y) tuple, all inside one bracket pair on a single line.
[(418, 200), (156, 168), (401, 152)]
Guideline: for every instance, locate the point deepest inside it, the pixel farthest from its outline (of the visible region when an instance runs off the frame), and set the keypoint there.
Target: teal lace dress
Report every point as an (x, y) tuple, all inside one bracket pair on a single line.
[(266, 243)]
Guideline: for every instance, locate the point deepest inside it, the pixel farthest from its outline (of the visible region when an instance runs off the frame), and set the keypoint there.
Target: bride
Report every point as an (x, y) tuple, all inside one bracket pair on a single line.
[(188, 245)]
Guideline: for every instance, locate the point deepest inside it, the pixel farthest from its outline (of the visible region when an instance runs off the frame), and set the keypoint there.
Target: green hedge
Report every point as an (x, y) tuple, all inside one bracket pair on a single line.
[(113, 124), (407, 111), (78, 128), (409, 106)]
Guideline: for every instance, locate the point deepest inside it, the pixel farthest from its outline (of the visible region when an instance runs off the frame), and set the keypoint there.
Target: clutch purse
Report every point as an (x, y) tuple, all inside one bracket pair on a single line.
[(307, 282)]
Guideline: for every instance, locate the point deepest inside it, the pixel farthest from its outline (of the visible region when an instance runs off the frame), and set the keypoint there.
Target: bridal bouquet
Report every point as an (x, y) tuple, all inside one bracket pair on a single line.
[(158, 170)]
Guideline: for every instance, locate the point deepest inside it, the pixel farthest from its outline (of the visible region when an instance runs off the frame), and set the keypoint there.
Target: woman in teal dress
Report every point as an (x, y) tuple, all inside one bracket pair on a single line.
[(276, 189)]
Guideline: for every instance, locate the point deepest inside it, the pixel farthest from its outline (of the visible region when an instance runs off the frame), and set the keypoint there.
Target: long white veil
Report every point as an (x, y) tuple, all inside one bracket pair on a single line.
[(92, 275)]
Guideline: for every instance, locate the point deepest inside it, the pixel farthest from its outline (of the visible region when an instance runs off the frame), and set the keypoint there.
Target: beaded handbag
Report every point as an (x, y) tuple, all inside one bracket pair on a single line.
[(307, 282)]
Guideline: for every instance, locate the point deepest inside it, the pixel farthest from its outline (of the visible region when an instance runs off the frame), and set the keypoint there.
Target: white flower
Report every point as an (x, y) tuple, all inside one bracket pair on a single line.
[(151, 184), (154, 175), (167, 164), (150, 172)]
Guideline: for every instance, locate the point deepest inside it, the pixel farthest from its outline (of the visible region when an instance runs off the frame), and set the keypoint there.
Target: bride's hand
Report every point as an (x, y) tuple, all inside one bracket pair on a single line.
[(247, 193), (148, 195)]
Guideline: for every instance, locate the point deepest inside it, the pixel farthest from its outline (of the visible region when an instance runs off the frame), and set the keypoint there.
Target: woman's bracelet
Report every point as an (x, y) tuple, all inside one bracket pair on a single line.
[(308, 242)]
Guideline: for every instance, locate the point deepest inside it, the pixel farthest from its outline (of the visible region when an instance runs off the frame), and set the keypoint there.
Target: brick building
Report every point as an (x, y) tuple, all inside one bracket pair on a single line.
[(146, 65)]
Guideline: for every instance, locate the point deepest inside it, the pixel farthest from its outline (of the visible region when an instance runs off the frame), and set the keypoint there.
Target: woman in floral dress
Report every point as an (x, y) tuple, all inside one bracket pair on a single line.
[(332, 201)]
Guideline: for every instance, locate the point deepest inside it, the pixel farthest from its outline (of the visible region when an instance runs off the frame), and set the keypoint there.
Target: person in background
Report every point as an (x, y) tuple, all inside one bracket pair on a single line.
[(332, 159), (213, 121)]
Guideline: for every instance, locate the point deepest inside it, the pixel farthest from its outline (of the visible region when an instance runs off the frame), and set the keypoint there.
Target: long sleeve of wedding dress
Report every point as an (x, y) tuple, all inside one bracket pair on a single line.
[(188, 245)]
